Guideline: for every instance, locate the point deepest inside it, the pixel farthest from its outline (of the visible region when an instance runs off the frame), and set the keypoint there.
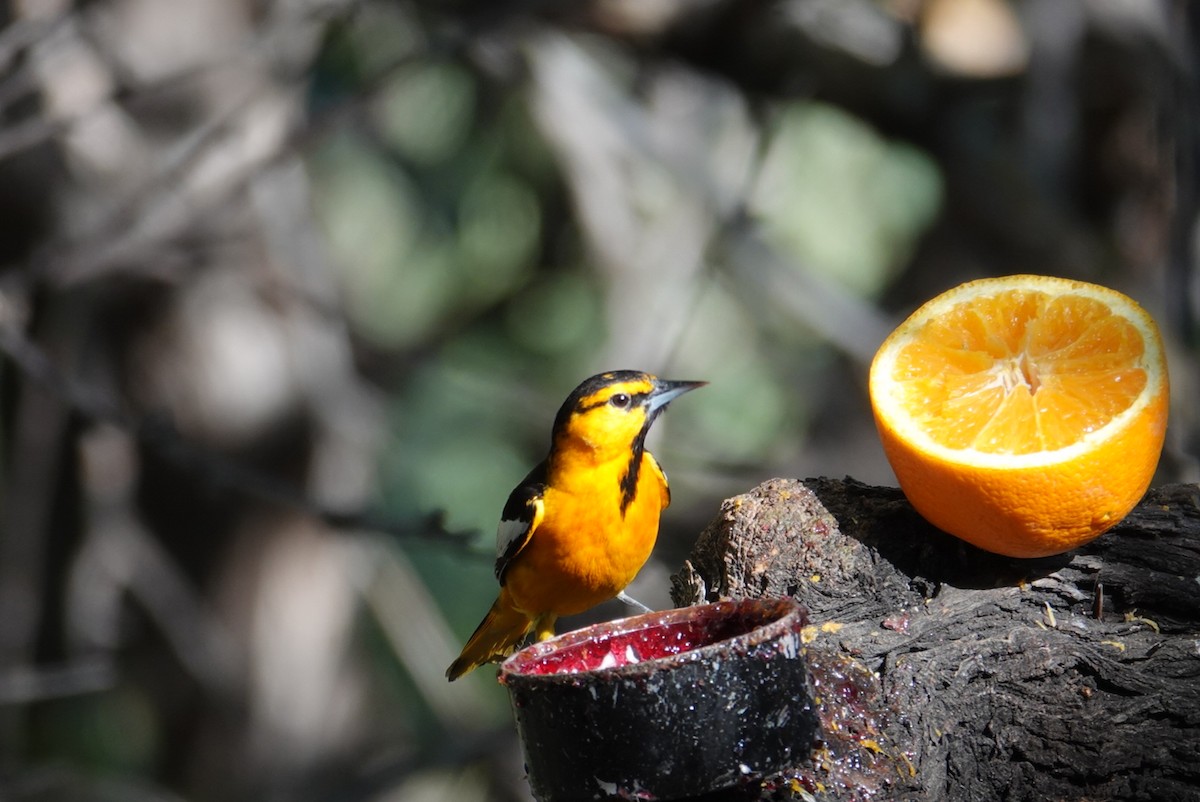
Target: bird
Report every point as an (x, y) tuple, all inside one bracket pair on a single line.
[(576, 530)]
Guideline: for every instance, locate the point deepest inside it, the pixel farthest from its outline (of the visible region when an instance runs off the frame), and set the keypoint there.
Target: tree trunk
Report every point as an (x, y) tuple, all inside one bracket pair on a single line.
[(946, 672)]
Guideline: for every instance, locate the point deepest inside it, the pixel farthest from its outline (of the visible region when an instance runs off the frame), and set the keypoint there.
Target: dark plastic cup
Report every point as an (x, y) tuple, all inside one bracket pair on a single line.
[(666, 705)]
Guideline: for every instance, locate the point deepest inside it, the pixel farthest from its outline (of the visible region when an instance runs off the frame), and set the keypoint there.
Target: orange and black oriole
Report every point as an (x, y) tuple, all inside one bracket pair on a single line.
[(579, 527)]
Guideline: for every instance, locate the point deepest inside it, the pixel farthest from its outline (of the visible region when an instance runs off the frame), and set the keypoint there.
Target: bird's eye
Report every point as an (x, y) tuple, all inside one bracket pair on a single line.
[(620, 400)]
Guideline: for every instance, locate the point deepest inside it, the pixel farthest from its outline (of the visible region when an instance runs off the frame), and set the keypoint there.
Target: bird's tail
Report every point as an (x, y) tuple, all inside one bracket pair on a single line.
[(497, 636)]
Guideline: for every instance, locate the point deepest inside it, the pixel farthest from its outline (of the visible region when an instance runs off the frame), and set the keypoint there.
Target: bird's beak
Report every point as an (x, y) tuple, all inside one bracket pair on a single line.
[(665, 392)]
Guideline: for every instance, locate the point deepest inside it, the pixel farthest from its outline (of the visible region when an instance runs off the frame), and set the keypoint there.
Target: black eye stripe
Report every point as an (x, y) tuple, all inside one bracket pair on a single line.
[(635, 400)]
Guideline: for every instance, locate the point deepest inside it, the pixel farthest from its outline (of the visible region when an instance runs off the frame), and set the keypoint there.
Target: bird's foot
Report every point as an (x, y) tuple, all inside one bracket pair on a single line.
[(632, 602)]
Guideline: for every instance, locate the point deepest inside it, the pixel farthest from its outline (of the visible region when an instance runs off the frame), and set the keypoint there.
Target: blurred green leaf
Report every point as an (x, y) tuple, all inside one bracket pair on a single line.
[(426, 111), (396, 275), (744, 413), (846, 202), (499, 223), (455, 452), (559, 314)]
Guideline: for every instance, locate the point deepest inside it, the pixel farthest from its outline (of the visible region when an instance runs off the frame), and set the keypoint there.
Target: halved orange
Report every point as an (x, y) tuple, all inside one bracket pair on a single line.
[(1023, 414)]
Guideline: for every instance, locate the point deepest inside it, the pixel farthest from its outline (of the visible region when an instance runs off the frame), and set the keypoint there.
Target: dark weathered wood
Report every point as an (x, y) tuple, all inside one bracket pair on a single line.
[(983, 677)]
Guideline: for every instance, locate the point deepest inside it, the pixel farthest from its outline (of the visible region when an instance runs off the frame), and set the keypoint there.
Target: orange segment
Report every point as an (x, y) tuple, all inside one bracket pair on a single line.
[(1024, 414)]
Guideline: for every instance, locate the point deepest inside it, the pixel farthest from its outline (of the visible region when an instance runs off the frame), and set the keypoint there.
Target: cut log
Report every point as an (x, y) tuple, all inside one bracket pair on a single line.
[(952, 673)]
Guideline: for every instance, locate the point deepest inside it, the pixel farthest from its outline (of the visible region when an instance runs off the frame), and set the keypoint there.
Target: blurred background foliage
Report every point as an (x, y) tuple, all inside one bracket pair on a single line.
[(290, 291)]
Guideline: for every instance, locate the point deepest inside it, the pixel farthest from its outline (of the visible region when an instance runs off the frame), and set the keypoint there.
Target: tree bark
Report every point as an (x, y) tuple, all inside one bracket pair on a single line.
[(946, 672)]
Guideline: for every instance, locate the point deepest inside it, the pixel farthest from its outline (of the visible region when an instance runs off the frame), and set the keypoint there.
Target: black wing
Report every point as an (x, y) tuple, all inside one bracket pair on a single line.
[(522, 514)]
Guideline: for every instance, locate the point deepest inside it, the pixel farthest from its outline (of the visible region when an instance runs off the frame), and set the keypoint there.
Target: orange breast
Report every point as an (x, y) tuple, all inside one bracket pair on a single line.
[(585, 552)]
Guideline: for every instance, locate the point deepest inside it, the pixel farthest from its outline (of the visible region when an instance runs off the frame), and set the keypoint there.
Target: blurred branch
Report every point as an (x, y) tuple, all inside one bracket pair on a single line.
[(24, 685), (175, 195), (120, 556), (648, 196), (143, 225), (18, 35), (420, 637), (853, 326), (29, 133), (223, 473)]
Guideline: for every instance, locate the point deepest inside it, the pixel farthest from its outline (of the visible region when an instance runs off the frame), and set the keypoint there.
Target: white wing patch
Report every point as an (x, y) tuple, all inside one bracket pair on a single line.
[(508, 532), (517, 526)]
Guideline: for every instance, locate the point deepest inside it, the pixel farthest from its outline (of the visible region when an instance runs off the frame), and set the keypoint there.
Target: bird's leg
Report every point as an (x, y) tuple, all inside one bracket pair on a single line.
[(632, 602), (543, 627)]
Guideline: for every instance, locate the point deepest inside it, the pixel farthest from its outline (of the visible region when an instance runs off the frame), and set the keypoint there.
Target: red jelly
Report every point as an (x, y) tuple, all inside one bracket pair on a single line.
[(630, 646)]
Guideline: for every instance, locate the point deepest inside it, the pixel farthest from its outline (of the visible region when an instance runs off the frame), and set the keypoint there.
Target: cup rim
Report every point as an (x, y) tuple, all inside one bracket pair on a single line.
[(780, 616)]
